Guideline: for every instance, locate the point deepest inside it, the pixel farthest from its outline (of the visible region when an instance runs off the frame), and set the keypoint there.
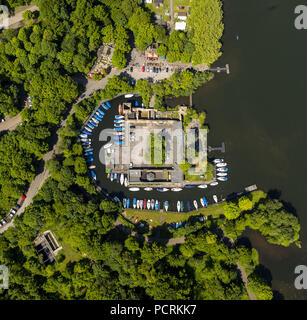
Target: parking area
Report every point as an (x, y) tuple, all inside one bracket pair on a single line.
[(152, 69)]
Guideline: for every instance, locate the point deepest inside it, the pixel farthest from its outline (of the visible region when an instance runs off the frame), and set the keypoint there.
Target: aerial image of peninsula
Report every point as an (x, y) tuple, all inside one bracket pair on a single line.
[(152, 150)]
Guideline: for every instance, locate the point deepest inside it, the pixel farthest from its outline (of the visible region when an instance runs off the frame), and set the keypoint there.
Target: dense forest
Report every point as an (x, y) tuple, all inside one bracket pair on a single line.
[(102, 262)]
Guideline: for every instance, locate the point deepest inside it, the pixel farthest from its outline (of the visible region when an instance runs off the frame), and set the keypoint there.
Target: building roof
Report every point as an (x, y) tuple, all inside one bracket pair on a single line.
[(182, 14), (180, 25)]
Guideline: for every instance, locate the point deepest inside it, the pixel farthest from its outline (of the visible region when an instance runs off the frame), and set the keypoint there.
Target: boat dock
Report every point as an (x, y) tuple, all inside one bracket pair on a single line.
[(219, 69), (222, 148)]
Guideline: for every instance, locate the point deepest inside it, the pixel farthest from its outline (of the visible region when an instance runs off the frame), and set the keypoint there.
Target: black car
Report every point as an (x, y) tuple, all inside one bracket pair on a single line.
[(160, 69), (166, 69), (131, 69), (154, 69)]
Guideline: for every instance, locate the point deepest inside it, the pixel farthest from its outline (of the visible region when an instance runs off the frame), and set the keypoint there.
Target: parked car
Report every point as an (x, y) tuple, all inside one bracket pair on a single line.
[(150, 69), (166, 70), (160, 69), (17, 206), (23, 196), (181, 7), (3, 221), (131, 69), (154, 69), (143, 69)]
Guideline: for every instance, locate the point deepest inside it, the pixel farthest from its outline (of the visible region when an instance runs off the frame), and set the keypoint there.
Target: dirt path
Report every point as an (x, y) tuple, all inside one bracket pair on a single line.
[(10, 124), (172, 14), (16, 18), (244, 279)]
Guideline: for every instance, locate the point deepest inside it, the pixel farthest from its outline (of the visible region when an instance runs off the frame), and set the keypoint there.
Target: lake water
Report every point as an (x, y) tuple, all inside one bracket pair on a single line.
[(259, 112)]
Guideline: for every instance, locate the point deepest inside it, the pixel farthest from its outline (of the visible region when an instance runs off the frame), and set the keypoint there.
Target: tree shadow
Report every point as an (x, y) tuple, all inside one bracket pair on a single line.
[(244, 241), (275, 194), (277, 295)]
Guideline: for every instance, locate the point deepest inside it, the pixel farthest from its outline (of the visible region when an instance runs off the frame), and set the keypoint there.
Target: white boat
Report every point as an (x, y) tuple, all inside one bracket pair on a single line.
[(138, 204), (92, 167), (119, 121), (176, 189), (122, 179), (134, 189), (222, 178), (118, 117), (222, 169), (215, 199), (148, 204), (148, 189), (178, 206), (222, 164), (195, 204), (218, 161), (152, 204), (166, 205), (202, 202), (88, 129), (128, 95), (126, 183), (214, 184), (221, 174), (115, 176), (108, 145), (202, 186), (162, 189)]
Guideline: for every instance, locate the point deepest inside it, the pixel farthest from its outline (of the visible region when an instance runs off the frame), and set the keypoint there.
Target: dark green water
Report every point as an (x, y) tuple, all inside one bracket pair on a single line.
[(259, 110)]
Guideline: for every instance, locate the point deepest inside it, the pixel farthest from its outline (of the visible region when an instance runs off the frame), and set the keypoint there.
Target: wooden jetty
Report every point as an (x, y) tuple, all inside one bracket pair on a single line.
[(219, 69), (222, 148)]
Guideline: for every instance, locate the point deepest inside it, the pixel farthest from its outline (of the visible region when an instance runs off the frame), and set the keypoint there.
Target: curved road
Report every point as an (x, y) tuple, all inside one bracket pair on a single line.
[(39, 180)]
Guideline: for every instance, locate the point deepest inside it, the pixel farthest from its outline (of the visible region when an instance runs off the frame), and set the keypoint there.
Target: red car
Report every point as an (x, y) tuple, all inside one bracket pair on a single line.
[(181, 7), (143, 69), (23, 196)]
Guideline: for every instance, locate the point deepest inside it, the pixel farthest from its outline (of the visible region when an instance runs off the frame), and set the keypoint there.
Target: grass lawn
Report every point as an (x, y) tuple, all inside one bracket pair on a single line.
[(70, 255), (160, 10), (159, 218), (185, 3)]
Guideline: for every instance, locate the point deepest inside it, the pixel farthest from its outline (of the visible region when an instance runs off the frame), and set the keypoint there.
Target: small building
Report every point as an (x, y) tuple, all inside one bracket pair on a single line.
[(180, 25), (158, 3), (47, 245), (182, 16)]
